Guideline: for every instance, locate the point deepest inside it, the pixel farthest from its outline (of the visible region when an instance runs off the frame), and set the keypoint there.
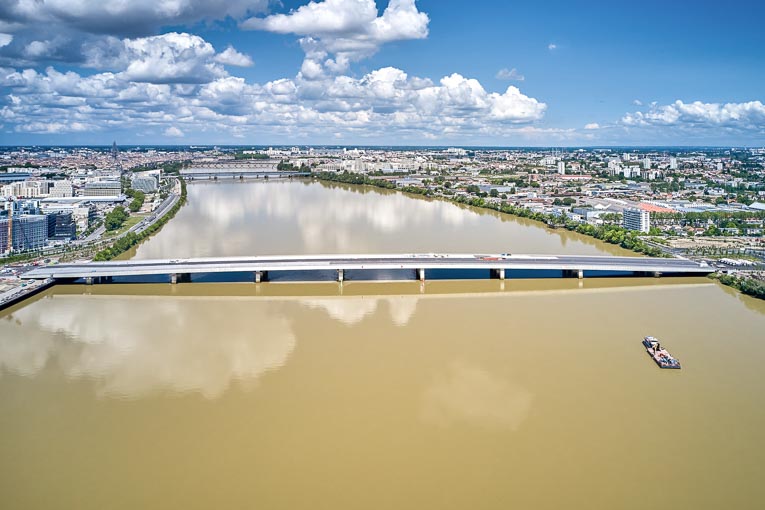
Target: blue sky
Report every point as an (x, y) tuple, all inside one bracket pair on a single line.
[(401, 72)]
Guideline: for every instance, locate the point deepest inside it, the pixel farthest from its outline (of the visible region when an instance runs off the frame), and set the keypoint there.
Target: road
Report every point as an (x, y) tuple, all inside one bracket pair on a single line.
[(374, 261)]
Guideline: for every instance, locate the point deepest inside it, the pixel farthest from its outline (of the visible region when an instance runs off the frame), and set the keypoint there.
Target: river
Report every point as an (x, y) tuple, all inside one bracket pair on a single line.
[(531, 393)]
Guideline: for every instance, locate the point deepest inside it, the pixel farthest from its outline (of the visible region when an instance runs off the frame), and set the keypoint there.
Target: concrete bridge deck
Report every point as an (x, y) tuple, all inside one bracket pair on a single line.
[(570, 265)]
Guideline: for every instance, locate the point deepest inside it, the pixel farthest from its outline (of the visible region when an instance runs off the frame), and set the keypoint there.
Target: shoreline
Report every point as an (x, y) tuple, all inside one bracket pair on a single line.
[(132, 239)]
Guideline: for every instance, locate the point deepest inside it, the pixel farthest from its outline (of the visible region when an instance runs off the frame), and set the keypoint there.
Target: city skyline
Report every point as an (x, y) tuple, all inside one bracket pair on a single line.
[(356, 72)]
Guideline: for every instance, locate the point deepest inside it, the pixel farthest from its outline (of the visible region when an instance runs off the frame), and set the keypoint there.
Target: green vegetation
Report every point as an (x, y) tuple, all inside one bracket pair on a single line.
[(138, 199), (612, 234), (242, 155), (349, 178), (131, 238), (748, 286), (131, 221), (116, 218), (284, 166)]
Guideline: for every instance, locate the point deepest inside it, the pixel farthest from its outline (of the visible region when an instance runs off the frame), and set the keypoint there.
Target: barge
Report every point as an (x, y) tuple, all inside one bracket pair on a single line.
[(660, 355)]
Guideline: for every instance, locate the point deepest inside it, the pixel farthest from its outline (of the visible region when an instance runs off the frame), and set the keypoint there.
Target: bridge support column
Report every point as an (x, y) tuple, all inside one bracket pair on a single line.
[(261, 276), (173, 278), (657, 274), (421, 274), (340, 275), (498, 273), (88, 280), (580, 274)]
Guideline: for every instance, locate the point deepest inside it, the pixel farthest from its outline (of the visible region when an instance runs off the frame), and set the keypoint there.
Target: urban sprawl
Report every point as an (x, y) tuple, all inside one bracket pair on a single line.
[(69, 203)]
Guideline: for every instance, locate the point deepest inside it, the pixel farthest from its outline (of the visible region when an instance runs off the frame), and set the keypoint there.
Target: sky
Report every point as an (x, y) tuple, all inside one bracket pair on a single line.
[(386, 72)]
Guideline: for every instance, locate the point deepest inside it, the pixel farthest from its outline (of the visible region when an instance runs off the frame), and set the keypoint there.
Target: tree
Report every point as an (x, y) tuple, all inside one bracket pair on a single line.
[(116, 218), (494, 193)]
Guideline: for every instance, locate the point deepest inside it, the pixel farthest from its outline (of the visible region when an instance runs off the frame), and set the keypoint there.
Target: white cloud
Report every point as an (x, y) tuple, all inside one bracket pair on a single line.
[(746, 116), (637, 102), (592, 125), (174, 132), (231, 57), (337, 32), (133, 18), (510, 74), (386, 100), (552, 46), (170, 58), (5, 39)]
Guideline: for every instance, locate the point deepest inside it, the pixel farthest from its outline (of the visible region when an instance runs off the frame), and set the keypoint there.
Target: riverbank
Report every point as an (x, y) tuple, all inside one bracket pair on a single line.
[(611, 234), (745, 285), (132, 239)]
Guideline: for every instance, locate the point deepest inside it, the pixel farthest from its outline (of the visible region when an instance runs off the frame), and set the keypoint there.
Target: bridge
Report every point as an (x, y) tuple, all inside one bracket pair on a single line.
[(235, 172), (495, 266)]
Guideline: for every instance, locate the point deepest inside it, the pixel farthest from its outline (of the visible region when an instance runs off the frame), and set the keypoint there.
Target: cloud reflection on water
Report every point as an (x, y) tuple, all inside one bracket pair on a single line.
[(133, 347), (469, 394)]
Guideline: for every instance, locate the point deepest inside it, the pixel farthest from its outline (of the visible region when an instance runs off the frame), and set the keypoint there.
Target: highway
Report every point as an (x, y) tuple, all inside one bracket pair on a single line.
[(634, 265)]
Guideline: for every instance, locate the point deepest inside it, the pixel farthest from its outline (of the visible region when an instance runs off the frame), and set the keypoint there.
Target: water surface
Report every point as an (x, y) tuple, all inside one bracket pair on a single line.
[(447, 394)]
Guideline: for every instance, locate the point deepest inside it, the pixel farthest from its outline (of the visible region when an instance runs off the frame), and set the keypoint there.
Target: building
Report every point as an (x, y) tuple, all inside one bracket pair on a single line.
[(636, 219), (103, 189), (61, 226), (673, 163), (646, 163), (146, 183), (62, 189), (562, 167), (30, 232)]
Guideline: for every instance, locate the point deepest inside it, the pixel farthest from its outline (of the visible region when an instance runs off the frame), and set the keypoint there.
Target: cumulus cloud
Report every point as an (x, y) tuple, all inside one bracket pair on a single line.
[(552, 46), (337, 32), (170, 58), (386, 99), (231, 57), (510, 74), (5, 39), (177, 83), (592, 125), (133, 18), (174, 132), (746, 116)]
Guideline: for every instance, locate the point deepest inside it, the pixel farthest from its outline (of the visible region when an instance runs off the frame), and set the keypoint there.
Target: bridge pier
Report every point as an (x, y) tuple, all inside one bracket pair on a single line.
[(88, 280), (261, 276), (340, 275), (657, 274), (421, 274), (180, 277), (580, 274), (498, 273)]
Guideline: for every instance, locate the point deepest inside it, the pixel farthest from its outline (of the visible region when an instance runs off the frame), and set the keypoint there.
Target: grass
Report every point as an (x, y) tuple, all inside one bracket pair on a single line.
[(132, 220)]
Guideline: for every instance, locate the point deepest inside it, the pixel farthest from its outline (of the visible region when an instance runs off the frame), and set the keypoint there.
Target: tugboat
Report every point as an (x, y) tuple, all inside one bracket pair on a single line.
[(660, 355)]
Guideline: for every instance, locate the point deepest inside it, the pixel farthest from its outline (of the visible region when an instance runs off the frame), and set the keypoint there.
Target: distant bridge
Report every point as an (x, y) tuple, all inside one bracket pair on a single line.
[(236, 172), (496, 266)]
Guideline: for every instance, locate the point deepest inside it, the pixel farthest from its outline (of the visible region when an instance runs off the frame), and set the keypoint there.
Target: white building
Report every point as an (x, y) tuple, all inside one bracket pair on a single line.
[(673, 163), (636, 219), (646, 163), (562, 167), (62, 189), (103, 189)]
